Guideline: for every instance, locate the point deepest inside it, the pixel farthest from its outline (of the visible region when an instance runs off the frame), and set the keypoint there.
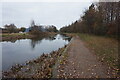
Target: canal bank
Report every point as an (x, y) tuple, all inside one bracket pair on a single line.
[(61, 61), (40, 67), (19, 51), (16, 36)]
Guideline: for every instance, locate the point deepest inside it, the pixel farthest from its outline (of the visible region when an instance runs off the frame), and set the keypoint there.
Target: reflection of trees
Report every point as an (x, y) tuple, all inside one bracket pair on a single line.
[(10, 40), (38, 39), (67, 39), (63, 35), (35, 40), (50, 38), (13, 41)]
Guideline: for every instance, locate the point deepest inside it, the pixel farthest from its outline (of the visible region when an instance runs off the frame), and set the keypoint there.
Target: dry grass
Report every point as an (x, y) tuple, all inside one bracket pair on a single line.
[(13, 34), (106, 48)]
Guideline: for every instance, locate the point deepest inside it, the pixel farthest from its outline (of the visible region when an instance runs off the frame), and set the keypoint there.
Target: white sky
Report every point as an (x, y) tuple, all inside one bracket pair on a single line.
[(43, 13), (50, 0)]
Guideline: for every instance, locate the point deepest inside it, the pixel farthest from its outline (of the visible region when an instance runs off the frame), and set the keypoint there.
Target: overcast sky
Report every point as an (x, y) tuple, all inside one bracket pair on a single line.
[(43, 13)]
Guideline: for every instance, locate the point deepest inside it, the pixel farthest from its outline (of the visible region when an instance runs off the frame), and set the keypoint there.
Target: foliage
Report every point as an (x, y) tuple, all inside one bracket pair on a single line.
[(35, 32), (36, 29), (101, 19), (11, 28), (51, 29), (22, 29)]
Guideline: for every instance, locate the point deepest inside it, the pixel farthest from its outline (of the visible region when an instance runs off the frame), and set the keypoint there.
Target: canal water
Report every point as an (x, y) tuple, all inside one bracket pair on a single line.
[(20, 51)]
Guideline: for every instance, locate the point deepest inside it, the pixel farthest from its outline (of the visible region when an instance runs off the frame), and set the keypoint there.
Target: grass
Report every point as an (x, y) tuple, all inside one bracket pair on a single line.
[(23, 34), (105, 47), (12, 34)]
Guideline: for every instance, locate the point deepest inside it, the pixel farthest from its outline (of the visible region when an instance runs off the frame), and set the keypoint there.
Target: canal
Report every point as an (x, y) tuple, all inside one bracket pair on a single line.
[(20, 51)]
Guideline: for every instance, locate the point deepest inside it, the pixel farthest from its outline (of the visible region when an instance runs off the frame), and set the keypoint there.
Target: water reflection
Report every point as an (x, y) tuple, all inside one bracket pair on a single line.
[(37, 40), (12, 40), (65, 37), (50, 38), (34, 41), (19, 51)]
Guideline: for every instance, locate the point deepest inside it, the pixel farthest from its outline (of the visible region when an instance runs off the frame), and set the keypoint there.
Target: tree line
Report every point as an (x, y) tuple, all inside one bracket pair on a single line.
[(101, 18), (38, 29), (11, 28)]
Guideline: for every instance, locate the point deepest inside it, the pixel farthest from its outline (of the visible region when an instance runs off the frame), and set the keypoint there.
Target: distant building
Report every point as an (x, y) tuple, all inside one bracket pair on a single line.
[(41, 28)]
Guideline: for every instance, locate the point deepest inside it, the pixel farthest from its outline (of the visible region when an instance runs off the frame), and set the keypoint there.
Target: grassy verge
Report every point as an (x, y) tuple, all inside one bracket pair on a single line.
[(106, 48), (23, 34), (14, 34)]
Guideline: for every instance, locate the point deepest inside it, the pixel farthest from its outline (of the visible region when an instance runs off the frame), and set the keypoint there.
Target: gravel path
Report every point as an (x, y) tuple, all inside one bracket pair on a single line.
[(81, 63)]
